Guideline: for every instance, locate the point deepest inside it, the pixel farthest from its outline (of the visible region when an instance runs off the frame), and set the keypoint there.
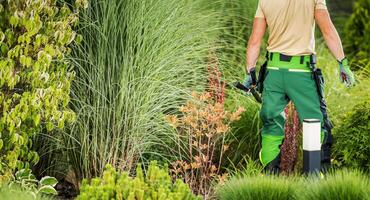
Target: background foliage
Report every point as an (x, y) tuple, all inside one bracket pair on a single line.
[(356, 32)]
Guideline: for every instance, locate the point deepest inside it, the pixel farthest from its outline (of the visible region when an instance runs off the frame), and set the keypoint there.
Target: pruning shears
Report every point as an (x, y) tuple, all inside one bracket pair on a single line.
[(252, 90)]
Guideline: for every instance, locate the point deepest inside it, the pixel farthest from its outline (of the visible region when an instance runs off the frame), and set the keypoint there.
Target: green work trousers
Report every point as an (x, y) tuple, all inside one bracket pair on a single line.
[(284, 83)]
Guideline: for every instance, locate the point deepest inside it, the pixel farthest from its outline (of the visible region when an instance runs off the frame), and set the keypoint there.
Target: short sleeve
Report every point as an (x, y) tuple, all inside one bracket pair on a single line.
[(320, 4), (259, 12)]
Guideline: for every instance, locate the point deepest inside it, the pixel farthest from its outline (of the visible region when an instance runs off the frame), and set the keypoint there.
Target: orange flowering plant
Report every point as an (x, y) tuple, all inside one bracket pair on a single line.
[(201, 127)]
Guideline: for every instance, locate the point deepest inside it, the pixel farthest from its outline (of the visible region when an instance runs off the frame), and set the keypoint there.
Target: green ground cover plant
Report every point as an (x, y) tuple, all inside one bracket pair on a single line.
[(35, 78), (155, 184), (18, 194), (25, 180), (24, 185)]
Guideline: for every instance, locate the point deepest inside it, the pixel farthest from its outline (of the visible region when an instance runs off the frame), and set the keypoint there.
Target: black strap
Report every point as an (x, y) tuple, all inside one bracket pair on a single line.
[(267, 55), (313, 59)]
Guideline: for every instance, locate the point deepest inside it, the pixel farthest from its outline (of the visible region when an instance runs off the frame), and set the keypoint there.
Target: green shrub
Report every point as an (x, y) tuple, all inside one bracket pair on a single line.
[(156, 184), (352, 138), (357, 35), (258, 187), (34, 78), (340, 185)]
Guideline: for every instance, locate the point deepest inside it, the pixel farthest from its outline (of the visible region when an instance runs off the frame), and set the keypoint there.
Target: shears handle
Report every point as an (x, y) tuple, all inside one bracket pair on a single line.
[(251, 90)]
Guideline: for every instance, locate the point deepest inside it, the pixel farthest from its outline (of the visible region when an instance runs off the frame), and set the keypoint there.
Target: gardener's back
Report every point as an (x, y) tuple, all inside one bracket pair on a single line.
[(291, 24), (290, 68)]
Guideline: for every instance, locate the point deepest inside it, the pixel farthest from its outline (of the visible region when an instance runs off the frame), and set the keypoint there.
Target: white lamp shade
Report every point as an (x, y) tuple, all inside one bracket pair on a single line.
[(311, 135)]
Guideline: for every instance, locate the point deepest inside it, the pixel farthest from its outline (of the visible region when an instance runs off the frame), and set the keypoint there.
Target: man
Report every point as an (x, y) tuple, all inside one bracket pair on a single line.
[(291, 49)]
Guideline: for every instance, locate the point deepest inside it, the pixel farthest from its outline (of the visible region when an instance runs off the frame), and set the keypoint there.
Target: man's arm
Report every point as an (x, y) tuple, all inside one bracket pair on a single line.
[(330, 33), (334, 43), (254, 43)]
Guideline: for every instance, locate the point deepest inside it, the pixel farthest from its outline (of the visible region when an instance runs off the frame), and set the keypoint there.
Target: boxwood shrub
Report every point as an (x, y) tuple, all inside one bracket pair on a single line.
[(352, 138)]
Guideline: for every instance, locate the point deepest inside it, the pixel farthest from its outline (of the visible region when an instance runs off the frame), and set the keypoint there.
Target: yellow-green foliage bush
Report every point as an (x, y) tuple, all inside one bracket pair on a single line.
[(156, 184), (357, 35), (34, 77)]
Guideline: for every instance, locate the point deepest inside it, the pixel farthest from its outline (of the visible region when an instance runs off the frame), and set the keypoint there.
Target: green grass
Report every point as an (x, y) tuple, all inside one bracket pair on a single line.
[(341, 185), (337, 185), (237, 19), (138, 61), (258, 188)]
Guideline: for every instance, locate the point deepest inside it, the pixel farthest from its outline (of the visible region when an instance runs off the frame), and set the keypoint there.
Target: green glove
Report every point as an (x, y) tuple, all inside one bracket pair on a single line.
[(346, 75)]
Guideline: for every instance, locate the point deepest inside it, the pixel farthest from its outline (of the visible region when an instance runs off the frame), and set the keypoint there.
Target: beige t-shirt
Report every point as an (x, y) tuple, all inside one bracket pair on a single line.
[(291, 25)]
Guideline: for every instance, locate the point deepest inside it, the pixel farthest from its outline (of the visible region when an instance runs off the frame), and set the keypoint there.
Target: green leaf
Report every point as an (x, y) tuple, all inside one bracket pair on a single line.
[(23, 174), (14, 20), (2, 36), (22, 60), (47, 189), (48, 180), (37, 119), (4, 48), (79, 39)]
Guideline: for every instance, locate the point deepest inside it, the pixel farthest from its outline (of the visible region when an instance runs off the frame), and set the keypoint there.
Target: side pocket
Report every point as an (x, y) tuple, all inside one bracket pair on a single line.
[(321, 83), (261, 77), (261, 83)]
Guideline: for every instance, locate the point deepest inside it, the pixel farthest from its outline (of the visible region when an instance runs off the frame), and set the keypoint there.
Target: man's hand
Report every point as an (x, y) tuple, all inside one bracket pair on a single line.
[(250, 80), (346, 75)]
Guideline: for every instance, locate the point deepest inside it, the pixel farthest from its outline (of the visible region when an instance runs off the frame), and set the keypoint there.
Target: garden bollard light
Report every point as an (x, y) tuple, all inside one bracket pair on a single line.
[(311, 145)]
